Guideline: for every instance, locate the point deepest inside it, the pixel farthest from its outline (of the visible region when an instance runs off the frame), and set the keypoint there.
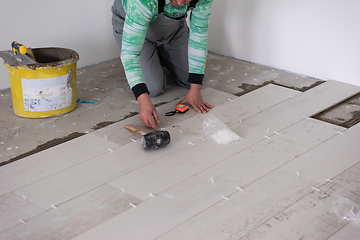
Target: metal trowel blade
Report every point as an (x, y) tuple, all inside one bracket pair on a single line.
[(16, 60)]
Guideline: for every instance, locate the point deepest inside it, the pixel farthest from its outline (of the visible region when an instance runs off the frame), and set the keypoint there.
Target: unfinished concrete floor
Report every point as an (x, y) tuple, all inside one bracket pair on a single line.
[(285, 179), (106, 84)]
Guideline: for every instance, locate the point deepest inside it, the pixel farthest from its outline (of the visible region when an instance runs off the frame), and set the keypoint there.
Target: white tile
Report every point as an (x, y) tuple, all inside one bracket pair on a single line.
[(227, 108), (310, 218), (116, 132), (154, 177), (162, 212), (330, 158), (253, 103), (303, 105), (258, 160), (72, 182), (43, 164), (349, 232), (15, 209), (75, 216), (316, 215), (245, 210), (183, 160), (207, 152)]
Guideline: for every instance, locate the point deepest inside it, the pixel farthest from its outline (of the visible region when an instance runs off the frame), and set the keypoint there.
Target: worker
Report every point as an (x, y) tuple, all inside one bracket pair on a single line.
[(153, 34)]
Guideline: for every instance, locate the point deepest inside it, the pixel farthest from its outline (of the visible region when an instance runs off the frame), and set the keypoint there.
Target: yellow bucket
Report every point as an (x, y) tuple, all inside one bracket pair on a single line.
[(47, 88)]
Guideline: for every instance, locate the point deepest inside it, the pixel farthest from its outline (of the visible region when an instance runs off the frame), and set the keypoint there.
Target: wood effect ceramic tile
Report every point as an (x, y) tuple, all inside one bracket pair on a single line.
[(190, 197), (303, 105), (75, 216), (117, 134), (45, 163), (349, 232), (14, 210), (212, 96), (308, 219), (246, 166), (317, 216), (86, 147), (240, 108), (330, 158), (183, 160), (72, 182), (29, 169), (244, 211), (154, 177), (162, 212), (206, 152), (253, 103), (122, 226), (227, 108)]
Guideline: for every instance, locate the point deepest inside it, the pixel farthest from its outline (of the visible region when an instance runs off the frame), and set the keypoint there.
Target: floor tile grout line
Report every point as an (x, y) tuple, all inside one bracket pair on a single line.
[(235, 192), (221, 200), (91, 158), (62, 170), (338, 230), (51, 209), (310, 191), (195, 175), (313, 193), (180, 170)]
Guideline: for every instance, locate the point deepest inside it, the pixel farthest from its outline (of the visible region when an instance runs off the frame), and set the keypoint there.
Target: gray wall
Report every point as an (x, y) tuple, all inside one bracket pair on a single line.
[(81, 25), (319, 38)]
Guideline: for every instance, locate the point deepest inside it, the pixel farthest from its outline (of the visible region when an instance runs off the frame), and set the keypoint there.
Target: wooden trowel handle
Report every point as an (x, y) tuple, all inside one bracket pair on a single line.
[(30, 53), (131, 128)]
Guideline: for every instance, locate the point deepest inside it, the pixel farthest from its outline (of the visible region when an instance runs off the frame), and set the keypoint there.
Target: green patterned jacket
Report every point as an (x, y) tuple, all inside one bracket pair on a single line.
[(139, 13)]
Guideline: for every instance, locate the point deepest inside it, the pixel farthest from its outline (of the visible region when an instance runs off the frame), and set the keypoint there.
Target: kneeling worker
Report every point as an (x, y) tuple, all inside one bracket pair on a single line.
[(153, 34)]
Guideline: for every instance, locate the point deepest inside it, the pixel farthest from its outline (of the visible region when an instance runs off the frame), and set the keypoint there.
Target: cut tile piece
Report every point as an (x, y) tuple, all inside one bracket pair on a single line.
[(330, 158), (162, 212), (303, 105), (15, 209), (75, 216), (43, 164), (258, 160), (244, 210)]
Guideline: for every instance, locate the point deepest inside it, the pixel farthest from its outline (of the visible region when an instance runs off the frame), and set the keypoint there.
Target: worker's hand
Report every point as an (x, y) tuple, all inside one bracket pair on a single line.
[(195, 99), (148, 114)]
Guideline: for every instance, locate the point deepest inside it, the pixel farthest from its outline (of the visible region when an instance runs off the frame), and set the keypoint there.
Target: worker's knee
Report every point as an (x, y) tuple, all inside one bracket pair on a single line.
[(156, 84), (181, 77), (155, 90)]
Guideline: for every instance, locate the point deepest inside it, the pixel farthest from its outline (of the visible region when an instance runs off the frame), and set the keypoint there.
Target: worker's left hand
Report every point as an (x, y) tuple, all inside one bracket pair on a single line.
[(195, 99)]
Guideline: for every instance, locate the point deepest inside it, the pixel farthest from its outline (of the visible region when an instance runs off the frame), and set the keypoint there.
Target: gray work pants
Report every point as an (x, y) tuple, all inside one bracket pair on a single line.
[(166, 44)]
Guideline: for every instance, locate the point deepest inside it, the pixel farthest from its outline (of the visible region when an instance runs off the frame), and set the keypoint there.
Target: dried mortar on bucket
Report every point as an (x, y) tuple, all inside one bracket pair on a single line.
[(46, 88)]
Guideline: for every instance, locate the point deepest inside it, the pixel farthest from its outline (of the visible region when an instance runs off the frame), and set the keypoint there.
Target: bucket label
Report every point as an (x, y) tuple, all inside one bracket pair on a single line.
[(47, 94)]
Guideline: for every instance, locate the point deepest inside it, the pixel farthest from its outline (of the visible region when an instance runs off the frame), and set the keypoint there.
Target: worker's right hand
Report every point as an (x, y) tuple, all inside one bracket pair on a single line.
[(148, 114)]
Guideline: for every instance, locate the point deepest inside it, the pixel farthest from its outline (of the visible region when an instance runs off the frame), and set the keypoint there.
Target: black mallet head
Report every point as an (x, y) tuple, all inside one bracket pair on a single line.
[(155, 140)]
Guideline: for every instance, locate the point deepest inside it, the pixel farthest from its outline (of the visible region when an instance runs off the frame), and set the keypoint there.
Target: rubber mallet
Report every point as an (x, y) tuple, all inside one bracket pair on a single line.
[(152, 140)]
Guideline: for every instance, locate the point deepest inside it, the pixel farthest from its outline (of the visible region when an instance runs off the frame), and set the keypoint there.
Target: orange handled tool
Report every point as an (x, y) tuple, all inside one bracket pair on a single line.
[(180, 108)]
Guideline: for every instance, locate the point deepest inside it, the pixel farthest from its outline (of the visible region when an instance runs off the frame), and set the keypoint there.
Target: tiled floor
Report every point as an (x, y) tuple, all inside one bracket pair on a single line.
[(281, 181)]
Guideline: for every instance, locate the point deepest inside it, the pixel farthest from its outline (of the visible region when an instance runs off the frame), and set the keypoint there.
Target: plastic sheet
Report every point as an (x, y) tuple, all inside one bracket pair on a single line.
[(219, 131), (347, 210)]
